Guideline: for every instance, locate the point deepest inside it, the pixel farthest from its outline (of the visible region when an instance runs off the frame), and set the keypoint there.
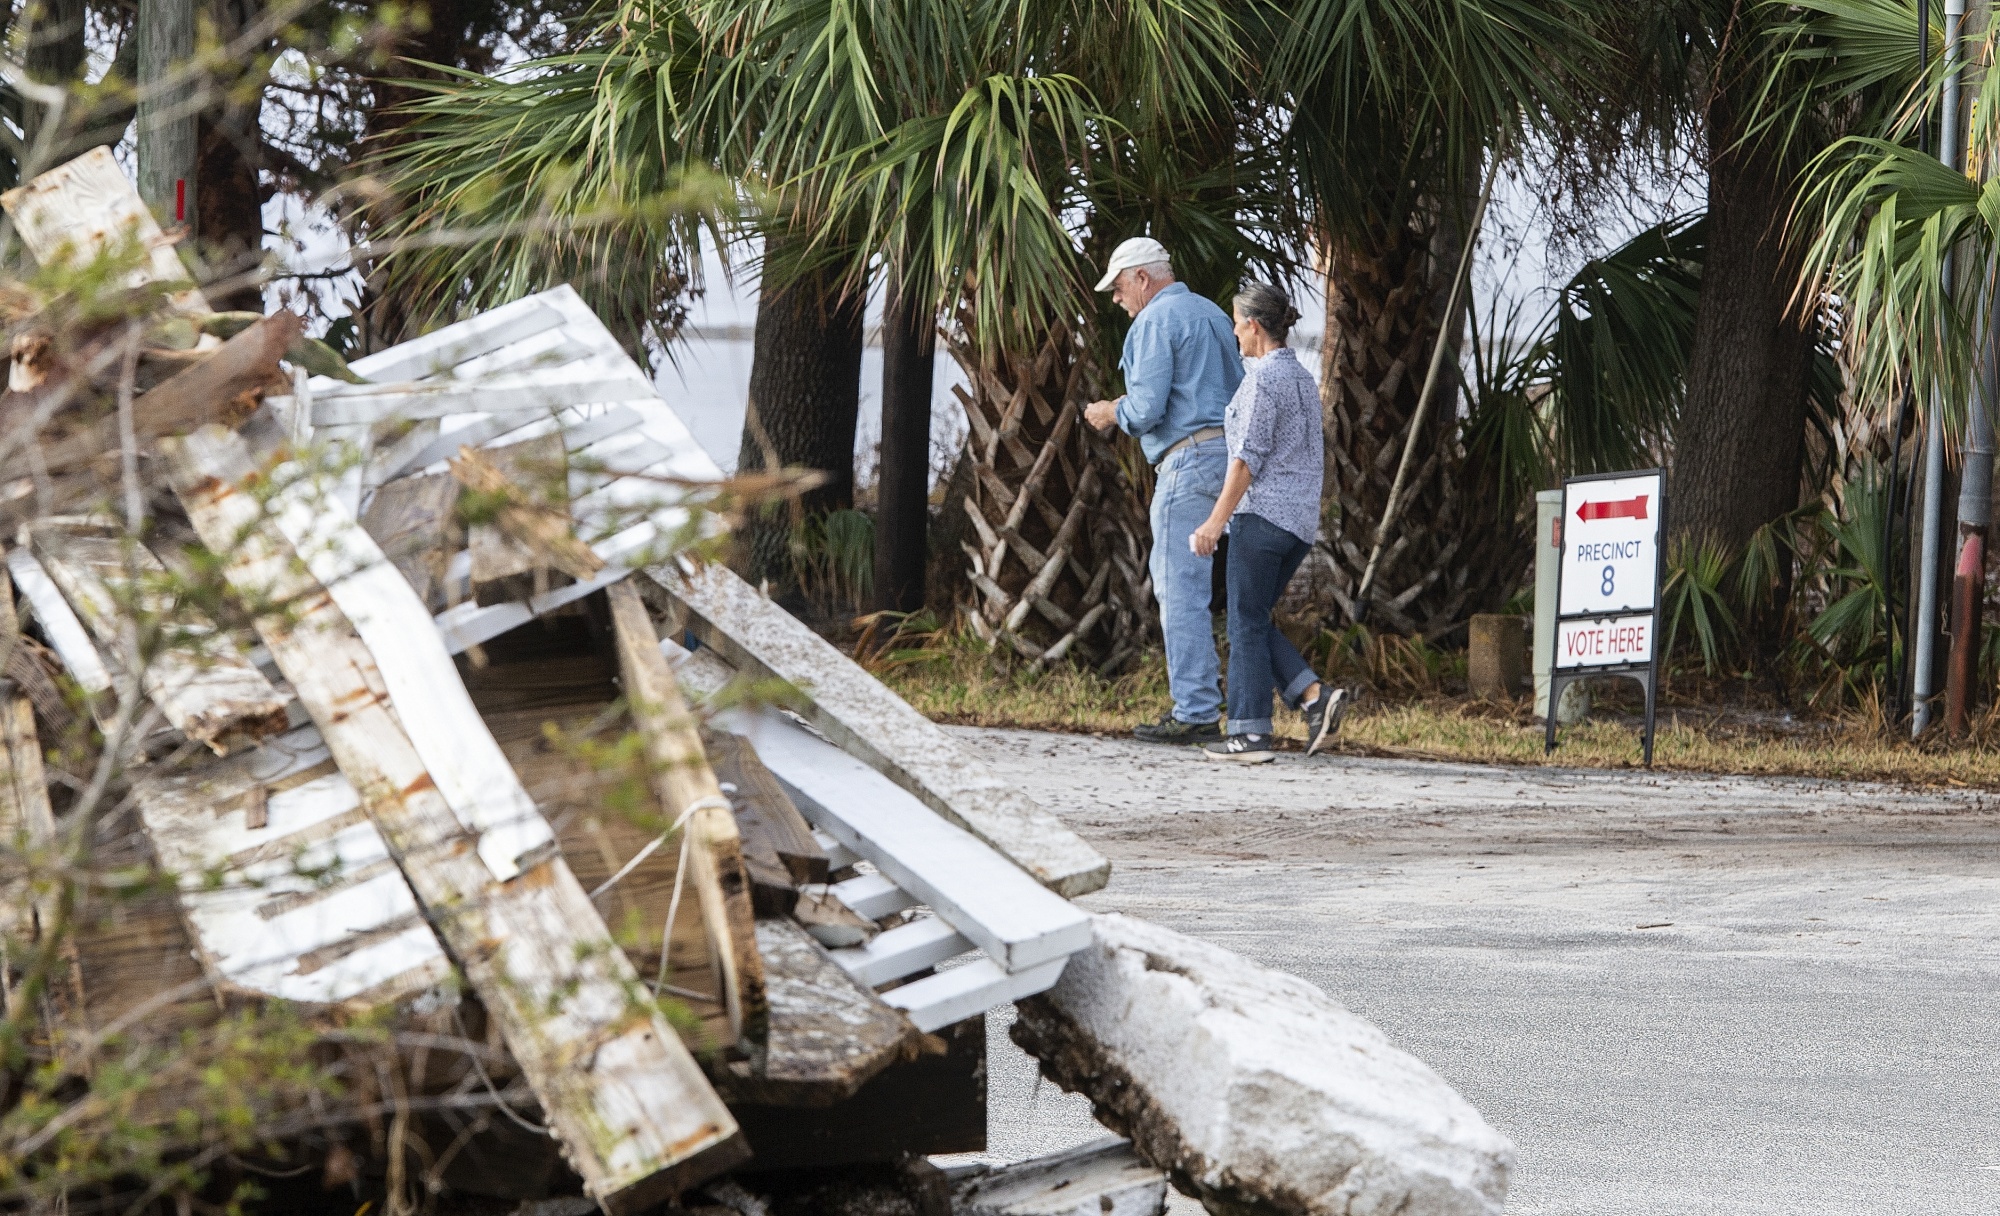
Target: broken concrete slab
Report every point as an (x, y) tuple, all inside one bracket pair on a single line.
[(1256, 1091)]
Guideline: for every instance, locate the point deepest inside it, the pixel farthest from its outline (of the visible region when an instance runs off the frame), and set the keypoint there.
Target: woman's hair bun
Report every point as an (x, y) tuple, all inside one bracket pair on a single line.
[(1269, 307)]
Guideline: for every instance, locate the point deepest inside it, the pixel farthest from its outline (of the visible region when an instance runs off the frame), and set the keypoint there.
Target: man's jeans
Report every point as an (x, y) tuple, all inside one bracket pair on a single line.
[(1262, 559), (1185, 487)]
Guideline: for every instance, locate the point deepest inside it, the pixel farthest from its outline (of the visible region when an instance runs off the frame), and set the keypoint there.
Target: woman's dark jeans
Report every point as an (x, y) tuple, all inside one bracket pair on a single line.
[(1262, 558)]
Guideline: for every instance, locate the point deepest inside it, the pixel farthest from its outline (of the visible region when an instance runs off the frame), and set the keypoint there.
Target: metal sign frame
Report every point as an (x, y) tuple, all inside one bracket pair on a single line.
[(1647, 673)]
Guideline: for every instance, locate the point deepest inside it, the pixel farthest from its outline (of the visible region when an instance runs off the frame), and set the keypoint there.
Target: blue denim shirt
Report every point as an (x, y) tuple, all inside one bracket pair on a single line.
[(1181, 367)]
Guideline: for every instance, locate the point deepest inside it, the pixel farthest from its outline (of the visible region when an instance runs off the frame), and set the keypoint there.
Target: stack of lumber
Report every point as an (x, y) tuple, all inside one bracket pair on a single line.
[(387, 765)]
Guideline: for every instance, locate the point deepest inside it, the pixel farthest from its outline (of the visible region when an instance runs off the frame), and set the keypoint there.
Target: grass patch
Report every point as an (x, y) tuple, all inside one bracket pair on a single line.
[(957, 680)]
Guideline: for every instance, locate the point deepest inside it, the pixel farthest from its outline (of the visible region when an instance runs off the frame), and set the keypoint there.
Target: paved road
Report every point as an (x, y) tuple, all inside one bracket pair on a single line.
[(1677, 994)]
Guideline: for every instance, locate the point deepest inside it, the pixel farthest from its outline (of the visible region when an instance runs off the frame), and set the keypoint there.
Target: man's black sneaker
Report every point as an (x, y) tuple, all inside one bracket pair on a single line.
[(1242, 749), (1170, 729), (1323, 717)]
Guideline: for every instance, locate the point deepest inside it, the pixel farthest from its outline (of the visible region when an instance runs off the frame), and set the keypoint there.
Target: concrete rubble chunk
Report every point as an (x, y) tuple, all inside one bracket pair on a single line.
[(1256, 1091)]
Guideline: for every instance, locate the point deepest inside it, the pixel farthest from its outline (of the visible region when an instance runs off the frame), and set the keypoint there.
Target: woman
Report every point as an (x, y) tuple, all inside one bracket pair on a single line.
[(1270, 508)]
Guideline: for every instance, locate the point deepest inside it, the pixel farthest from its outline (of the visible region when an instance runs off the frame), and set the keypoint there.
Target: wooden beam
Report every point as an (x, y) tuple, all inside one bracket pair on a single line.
[(779, 850), (638, 1119), (207, 689), (224, 387), (862, 717), (690, 796)]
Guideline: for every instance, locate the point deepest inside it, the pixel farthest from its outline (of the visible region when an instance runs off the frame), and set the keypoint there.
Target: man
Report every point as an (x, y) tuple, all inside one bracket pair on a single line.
[(1181, 366)]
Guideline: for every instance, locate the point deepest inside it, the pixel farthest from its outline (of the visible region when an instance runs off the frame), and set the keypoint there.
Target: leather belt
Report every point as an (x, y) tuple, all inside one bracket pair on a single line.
[(1201, 436)]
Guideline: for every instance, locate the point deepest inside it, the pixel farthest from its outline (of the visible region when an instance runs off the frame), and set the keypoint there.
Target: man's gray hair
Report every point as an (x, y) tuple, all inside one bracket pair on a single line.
[(1159, 272)]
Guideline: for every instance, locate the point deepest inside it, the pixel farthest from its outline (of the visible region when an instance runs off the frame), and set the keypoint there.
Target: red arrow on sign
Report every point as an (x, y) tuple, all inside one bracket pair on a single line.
[(1625, 508)]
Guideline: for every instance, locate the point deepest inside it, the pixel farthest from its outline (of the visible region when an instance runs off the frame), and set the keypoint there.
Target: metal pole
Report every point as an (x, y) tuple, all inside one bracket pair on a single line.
[(167, 111), (1924, 677), (1975, 515)]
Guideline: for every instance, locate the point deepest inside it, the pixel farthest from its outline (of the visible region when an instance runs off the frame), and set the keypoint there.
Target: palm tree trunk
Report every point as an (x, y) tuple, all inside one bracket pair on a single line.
[(1741, 435), (805, 392), (1057, 554), (1452, 552), (902, 493)]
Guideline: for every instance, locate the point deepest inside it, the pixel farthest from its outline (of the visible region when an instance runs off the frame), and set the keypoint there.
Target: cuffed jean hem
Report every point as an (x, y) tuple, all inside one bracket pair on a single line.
[(1248, 726), (1295, 692)]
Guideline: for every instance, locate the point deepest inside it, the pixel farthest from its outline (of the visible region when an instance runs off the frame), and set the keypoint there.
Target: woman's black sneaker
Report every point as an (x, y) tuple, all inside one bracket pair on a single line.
[(1323, 717), (1170, 729), (1242, 749)]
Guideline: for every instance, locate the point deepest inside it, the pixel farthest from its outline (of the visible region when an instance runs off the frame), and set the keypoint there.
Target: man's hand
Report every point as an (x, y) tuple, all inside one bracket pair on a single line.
[(1204, 539), (1101, 414)]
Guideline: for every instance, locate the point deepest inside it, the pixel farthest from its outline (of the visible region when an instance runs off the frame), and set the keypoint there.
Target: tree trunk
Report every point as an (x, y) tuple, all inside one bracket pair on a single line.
[(55, 56), (1741, 435), (168, 178), (231, 205), (1452, 551), (902, 495), (805, 392), (1058, 551)]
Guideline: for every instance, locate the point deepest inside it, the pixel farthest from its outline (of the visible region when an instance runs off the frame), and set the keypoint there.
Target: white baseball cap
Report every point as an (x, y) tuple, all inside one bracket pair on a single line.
[(1139, 251)]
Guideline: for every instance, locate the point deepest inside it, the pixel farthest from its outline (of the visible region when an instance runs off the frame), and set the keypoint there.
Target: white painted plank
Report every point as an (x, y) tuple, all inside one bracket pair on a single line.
[(59, 623), (1016, 920), (450, 738), (869, 895), (469, 624), (838, 855), (549, 348), (539, 390), (963, 992), (581, 426), (441, 350), (903, 950)]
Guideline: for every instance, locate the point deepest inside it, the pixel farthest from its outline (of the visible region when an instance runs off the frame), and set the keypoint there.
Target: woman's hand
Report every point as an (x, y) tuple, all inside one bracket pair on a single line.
[(1204, 539)]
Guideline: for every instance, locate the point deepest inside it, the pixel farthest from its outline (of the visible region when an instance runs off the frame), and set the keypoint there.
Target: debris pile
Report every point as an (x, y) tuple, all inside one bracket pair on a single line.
[(385, 761)]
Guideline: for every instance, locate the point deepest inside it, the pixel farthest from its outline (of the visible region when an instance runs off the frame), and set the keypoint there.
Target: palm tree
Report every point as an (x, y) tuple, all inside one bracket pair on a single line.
[(1395, 104)]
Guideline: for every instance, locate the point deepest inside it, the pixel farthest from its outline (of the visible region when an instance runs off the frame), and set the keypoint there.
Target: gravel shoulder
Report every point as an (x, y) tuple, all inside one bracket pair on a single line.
[(1676, 993)]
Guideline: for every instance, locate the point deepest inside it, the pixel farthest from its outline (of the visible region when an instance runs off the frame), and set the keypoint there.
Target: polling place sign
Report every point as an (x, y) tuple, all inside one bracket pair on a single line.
[(1608, 595)]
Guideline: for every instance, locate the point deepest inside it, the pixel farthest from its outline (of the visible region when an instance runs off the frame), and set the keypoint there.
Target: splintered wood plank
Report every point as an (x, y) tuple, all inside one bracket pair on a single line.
[(76, 210), (27, 820), (691, 798), (779, 850), (636, 1117), (829, 1034), (415, 521), (66, 634), (199, 679)]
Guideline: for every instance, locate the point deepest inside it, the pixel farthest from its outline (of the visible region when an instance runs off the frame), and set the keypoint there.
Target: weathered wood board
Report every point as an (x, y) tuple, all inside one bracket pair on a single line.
[(78, 209), (203, 685), (631, 1107)]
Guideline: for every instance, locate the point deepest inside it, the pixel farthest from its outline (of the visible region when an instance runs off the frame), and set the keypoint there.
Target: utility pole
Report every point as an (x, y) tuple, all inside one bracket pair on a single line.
[(167, 111), (1924, 676)]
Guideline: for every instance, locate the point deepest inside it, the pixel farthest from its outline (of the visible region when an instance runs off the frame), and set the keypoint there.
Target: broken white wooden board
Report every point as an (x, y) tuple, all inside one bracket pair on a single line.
[(438, 352), (967, 990), (1103, 1178), (903, 950), (581, 427), (1018, 922), (860, 714), (838, 855), (66, 634), (422, 683), (81, 208), (204, 686), (538, 391), (1254, 1088), (307, 907), (636, 1118)]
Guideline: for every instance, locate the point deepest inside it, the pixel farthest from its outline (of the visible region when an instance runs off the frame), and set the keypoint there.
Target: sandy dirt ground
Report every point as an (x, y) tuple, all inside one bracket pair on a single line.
[(1676, 994)]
